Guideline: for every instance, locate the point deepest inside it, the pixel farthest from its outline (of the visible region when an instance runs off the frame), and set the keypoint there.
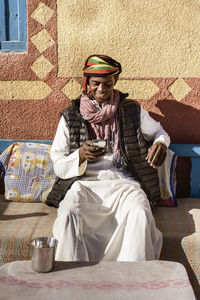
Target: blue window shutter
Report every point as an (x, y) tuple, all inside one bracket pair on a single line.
[(12, 14), (2, 21), (22, 21), (13, 33)]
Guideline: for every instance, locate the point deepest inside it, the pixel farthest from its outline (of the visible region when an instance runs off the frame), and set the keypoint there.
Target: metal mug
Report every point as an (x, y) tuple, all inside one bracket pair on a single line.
[(43, 254)]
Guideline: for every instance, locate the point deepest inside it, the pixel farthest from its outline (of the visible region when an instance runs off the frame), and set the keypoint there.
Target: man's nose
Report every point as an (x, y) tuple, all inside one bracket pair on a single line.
[(100, 87)]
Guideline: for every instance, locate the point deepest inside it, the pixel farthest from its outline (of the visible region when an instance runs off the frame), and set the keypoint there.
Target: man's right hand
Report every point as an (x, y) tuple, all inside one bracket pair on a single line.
[(89, 152)]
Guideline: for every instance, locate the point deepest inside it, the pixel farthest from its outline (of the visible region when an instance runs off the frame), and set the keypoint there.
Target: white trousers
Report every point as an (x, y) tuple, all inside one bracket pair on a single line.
[(106, 220)]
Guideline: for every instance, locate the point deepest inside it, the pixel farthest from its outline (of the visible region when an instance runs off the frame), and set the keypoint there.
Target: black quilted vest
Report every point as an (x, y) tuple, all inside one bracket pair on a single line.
[(132, 143)]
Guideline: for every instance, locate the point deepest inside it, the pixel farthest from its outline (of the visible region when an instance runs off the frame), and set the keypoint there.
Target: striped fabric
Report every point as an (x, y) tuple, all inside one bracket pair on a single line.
[(180, 227), (19, 224), (100, 65)]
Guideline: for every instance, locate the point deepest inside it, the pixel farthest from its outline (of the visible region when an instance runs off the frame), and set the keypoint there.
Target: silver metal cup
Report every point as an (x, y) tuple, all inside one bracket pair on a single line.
[(43, 254)]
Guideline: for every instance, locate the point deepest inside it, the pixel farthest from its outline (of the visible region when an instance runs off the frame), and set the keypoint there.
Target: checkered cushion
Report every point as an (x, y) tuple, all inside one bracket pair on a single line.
[(28, 172)]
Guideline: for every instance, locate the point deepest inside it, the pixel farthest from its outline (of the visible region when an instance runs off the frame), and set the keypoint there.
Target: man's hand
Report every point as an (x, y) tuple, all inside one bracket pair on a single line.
[(89, 152), (156, 154)]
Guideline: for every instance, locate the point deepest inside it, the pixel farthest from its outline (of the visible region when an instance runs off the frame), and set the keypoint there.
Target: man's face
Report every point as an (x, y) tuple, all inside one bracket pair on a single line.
[(100, 88)]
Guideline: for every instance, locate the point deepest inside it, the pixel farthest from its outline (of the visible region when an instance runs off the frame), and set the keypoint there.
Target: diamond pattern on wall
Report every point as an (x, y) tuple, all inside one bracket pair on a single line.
[(42, 13), (179, 89), (72, 89), (137, 89), (42, 40), (41, 67)]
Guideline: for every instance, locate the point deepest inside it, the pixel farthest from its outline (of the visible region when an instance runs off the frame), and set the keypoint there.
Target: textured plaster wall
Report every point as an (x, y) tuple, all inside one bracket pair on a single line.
[(156, 41), (154, 38)]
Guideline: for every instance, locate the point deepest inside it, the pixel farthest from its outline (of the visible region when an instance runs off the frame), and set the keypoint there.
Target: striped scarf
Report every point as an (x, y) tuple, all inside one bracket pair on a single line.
[(99, 65), (103, 122)]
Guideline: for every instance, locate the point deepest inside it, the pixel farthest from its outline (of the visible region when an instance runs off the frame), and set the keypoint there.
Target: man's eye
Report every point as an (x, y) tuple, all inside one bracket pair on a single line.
[(108, 84), (95, 84)]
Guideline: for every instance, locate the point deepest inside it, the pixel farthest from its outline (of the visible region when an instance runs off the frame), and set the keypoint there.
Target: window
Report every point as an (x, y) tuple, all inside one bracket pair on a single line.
[(13, 33)]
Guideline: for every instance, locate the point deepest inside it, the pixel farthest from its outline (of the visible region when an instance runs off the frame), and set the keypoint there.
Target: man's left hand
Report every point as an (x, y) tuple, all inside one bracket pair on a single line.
[(156, 154)]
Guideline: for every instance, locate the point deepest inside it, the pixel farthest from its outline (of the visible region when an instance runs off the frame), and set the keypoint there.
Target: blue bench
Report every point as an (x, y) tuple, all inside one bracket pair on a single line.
[(188, 162)]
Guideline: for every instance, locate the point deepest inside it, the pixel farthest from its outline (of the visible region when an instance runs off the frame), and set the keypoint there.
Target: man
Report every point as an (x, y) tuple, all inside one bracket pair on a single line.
[(106, 193)]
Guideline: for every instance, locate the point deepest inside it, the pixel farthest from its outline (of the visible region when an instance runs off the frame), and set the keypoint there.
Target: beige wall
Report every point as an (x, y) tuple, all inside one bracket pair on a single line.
[(151, 38)]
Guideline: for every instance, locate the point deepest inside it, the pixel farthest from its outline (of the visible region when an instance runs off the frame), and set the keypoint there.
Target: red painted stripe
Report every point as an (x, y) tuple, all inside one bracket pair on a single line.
[(90, 64), (99, 71)]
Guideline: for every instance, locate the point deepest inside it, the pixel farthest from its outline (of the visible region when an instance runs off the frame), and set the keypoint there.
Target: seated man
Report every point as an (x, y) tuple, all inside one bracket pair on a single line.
[(106, 193)]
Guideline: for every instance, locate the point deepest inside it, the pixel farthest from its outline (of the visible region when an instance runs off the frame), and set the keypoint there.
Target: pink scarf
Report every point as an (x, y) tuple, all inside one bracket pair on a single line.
[(104, 121)]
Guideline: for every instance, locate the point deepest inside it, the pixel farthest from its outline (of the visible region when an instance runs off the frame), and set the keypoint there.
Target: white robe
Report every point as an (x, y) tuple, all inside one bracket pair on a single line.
[(105, 215)]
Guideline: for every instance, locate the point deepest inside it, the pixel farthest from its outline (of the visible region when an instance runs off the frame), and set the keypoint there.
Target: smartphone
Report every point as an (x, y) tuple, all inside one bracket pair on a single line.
[(99, 143)]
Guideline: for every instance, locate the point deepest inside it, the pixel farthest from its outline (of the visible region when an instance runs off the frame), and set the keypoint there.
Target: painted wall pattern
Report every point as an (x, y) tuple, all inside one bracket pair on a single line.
[(156, 42)]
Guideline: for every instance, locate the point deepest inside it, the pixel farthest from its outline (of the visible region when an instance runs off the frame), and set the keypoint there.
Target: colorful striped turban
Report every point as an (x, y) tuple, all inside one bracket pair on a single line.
[(99, 65)]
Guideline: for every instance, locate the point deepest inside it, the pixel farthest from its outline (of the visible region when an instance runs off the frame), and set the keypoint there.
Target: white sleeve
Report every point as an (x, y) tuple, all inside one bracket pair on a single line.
[(153, 130), (65, 165)]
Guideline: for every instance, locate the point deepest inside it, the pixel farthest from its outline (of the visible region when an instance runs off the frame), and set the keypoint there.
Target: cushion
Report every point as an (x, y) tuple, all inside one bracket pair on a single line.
[(180, 228), (167, 180), (28, 171)]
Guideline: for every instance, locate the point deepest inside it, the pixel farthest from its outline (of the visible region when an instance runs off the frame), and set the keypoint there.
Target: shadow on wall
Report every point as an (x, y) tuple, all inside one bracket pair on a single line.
[(181, 121)]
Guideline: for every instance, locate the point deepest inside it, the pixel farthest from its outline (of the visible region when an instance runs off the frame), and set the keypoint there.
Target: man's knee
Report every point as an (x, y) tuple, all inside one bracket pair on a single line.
[(137, 201), (69, 204)]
